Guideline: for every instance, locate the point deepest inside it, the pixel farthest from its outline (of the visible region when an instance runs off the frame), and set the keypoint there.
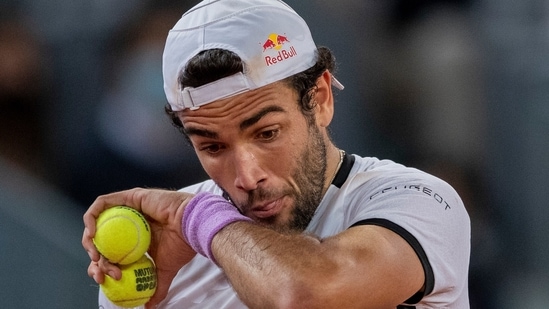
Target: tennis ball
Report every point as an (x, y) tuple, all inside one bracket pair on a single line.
[(122, 235), (136, 286)]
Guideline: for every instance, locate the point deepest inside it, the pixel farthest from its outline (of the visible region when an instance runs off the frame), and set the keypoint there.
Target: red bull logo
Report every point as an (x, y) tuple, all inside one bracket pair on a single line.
[(276, 42)]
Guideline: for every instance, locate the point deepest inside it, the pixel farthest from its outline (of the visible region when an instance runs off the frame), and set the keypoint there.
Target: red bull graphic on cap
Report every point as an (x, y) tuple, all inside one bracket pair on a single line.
[(276, 42)]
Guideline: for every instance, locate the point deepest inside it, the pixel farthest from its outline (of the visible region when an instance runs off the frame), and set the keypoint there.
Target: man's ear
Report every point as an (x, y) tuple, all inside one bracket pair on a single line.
[(324, 99)]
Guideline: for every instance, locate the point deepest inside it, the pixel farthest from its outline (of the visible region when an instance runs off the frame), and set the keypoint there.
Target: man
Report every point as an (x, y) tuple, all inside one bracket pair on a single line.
[(287, 220)]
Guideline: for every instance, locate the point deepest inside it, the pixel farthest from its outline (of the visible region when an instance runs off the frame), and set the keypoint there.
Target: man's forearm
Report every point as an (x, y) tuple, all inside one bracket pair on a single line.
[(264, 266)]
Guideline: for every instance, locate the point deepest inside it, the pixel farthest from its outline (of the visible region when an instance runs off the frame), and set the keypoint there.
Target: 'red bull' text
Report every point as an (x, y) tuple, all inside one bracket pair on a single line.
[(281, 56)]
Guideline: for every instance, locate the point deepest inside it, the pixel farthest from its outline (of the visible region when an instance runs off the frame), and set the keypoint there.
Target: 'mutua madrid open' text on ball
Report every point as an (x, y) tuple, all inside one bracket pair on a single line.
[(136, 286)]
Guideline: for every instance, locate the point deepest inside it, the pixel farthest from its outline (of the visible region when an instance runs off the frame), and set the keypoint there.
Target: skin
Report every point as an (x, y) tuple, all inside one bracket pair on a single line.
[(262, 150)]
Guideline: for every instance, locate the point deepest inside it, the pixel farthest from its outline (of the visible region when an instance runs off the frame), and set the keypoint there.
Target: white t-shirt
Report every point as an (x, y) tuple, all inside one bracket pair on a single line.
[(424, 210)]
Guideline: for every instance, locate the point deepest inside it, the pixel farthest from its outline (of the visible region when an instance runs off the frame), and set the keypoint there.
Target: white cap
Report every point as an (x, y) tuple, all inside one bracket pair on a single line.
[(272, 40)]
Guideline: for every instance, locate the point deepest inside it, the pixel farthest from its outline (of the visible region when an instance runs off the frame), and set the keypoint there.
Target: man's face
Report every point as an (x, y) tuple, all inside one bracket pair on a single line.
[(261, 150)]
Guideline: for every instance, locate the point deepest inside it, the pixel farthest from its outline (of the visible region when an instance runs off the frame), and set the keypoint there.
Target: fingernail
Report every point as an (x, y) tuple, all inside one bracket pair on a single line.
[(112, 274)]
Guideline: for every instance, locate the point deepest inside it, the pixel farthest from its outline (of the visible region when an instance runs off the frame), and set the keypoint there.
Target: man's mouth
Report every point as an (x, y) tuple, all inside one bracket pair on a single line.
[(267, 209)]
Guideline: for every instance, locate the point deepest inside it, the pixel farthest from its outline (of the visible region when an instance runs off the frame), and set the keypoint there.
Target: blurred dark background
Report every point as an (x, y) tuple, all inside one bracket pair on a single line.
[(458, 88)]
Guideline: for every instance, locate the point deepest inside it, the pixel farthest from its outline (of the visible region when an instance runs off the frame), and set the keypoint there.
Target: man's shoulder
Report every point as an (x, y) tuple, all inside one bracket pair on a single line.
[(387, 171), (372, 177)]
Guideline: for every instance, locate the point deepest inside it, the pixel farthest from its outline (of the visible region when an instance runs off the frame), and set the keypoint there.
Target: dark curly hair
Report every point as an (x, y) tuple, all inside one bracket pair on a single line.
[(213, 64)]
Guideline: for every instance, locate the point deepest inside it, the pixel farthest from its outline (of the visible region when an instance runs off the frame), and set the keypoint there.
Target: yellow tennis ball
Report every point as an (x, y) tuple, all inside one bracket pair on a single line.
[(136, 286), (122, 235)]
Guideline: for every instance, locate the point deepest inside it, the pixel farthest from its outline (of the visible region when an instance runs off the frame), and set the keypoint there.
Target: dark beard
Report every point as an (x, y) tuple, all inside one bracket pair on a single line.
[(310, 178)]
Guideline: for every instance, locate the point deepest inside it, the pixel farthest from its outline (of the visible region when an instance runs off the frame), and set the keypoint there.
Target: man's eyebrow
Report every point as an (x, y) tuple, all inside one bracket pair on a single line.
[(201, 132), (255, 118), (190, 131)]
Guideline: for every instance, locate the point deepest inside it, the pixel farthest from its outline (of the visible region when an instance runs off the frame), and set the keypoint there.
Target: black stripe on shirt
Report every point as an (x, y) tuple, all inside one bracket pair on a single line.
[(429, 275), (344, 170)]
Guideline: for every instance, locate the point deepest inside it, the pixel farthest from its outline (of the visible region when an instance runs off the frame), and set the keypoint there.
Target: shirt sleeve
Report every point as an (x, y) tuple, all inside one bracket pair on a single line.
[(428, 213)]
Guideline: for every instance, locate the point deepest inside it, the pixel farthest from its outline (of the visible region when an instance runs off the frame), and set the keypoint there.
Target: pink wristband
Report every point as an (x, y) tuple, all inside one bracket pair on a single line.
[(204, 216)]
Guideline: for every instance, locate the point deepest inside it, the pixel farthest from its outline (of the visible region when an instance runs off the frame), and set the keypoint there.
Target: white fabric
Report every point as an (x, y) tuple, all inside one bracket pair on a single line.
[(425, 206), (193, 98)]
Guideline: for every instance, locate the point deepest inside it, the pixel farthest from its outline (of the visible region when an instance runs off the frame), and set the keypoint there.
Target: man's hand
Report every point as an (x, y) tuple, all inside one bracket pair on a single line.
[(164, 211)]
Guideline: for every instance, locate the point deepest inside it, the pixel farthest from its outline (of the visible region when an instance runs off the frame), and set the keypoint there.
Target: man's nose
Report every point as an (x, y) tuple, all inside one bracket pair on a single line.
[(249, 172)]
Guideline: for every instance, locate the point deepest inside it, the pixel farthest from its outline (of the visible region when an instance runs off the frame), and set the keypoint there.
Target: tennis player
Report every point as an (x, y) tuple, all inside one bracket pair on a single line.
[(287, 219)]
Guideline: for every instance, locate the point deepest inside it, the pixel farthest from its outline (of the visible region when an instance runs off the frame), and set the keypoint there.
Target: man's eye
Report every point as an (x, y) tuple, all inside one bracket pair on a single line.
[(268, 135), (212, 149)]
